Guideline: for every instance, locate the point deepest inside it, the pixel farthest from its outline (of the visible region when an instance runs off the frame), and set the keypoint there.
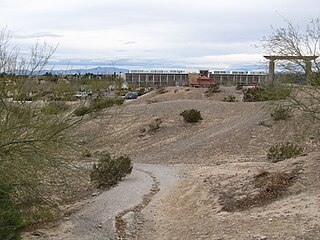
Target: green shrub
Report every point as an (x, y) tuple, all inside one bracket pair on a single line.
[(281, 113), (22, 97), (281, 152), (55, 108), (239, 87), (118, 101), (101, 103), (98, 104), (254, 95), (229, 98), (213, 89), (161, 90), (10, 217), (109, 171), (155, 125), (269, 92), (81, 111), (191, 115)]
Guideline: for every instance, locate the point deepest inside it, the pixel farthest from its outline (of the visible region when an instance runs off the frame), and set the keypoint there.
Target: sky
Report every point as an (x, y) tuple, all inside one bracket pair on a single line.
[(152, 34)]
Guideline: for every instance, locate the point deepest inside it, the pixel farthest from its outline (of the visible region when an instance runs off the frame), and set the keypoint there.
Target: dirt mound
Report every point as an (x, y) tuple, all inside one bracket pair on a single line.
[(196, 208), (231, 190)]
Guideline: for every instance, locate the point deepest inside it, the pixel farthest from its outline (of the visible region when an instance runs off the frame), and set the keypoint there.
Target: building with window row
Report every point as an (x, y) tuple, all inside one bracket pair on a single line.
[(183, 78)]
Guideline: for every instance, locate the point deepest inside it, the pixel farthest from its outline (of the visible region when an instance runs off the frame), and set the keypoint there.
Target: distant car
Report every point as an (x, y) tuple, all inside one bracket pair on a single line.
[(131, 95), (82, 94)]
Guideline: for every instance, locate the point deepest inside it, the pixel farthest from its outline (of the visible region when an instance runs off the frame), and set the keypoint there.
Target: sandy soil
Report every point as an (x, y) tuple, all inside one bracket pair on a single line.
[(224, 155)]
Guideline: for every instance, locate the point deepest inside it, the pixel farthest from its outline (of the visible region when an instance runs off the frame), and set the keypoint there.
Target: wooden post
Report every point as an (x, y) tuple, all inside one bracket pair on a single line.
[(271, 70)]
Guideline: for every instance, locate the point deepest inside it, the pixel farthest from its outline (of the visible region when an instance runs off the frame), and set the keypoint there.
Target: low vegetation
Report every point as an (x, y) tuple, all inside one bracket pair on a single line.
[(10, 216), (97, 105), (81, 111), (155, 125), (268, 92), (161, 90), (109, 171), (282, 151), (55, 108), (281, 113), (213, 89), (269, 186), (229, 98), (191, 115)]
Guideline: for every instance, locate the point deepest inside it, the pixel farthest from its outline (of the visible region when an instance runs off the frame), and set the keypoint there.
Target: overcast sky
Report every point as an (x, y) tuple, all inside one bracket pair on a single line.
[(152, 33)]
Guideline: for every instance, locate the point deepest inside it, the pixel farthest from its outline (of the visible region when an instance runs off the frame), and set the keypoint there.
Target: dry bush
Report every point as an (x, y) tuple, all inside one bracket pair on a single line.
[(269, 186)]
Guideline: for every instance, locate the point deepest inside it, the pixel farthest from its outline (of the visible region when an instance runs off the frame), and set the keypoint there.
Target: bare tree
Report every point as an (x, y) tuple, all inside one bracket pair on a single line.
[(293, 40)]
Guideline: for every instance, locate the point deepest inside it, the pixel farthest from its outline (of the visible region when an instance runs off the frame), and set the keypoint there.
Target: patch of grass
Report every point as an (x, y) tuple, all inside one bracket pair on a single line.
[(55, 108)]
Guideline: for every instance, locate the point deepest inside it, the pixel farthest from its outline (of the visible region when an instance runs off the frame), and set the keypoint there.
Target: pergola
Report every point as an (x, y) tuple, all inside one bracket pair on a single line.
[(272, 59)]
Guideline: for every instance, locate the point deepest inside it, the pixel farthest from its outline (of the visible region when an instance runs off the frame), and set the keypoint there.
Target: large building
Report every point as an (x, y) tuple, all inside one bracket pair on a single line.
[(238, 77), (157, 77), (182, 78)]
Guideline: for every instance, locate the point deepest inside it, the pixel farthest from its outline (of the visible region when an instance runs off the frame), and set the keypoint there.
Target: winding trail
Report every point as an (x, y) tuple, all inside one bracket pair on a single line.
[(120, 222), (112, 214)]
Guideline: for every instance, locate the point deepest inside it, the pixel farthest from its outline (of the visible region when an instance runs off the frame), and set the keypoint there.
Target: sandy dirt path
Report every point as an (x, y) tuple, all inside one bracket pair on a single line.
[(115, 214)]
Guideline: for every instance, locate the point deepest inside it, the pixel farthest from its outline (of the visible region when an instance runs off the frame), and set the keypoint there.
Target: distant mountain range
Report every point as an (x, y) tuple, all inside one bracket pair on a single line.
[(97, 70)]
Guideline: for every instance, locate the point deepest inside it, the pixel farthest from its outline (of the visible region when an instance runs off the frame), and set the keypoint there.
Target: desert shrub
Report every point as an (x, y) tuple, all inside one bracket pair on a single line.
[(161, 90), (281, 113), (281, 152), (98, 104), (109, 171), (81, 111), (22, 97), (55, 108), (68, 97), (229, 98), (269, 92), (155, 125), (10, 217), (269, 186), (213, 89), (118, 101), (239, 87), (254, 95), (101, 103), (191, 115)]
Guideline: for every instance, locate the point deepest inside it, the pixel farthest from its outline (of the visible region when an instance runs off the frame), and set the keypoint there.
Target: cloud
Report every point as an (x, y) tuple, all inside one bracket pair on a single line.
[(146, 33), (38, 35), (128, 42)]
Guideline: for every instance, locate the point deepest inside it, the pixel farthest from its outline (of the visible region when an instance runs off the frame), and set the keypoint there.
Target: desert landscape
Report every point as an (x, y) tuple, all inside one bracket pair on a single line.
[(208, 180)]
